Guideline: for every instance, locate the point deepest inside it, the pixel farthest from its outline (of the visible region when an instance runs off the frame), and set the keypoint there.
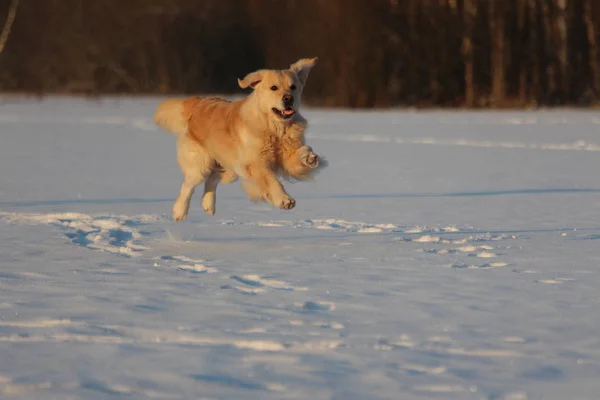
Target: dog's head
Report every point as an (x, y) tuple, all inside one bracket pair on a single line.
[(278, 92)]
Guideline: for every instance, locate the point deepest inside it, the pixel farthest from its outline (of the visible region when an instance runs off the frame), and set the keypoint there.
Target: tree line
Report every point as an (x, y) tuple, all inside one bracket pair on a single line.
[(373, 53)]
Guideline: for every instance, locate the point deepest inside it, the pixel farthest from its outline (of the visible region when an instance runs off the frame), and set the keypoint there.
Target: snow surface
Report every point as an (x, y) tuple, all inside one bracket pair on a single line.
[(442, 255)]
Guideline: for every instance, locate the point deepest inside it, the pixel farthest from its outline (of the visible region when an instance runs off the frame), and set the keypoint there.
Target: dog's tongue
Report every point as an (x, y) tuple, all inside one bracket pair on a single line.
[(288, 111)]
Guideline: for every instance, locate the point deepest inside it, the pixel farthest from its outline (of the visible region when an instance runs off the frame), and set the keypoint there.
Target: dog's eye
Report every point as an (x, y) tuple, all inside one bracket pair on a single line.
[(273, 88), (293, 87)]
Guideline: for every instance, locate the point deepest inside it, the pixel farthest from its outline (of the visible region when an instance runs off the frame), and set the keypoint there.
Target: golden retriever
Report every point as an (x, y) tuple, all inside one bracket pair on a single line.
[(255, 138)]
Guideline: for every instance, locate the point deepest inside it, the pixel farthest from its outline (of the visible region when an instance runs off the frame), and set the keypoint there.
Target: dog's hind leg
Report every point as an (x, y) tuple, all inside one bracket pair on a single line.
[(218, 175), (209, 198), (195, 164)]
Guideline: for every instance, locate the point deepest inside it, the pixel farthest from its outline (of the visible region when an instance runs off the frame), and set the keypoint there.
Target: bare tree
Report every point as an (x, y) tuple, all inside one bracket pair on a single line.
[(562, 48), (496, 12), (522, 50), (547, 49), (12, 13), (535, 62), (469, 15), (593, 46)]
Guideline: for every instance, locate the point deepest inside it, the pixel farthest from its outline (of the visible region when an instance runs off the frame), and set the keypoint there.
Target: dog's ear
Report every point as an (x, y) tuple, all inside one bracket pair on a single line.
[(302, 67), (252, 79)]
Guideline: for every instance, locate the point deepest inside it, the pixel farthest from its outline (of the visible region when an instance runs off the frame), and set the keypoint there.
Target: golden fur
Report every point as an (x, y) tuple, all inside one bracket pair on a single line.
[(255, 138)]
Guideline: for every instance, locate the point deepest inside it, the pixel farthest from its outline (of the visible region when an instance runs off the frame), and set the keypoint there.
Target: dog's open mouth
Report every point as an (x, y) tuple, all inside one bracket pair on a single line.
[(284, 114)]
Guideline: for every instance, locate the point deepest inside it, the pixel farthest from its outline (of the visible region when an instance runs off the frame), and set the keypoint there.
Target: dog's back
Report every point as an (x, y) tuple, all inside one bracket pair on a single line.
[(174, 115)]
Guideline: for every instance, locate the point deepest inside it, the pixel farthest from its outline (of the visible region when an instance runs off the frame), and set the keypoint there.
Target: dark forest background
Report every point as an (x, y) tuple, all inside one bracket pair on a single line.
[(373, 53)]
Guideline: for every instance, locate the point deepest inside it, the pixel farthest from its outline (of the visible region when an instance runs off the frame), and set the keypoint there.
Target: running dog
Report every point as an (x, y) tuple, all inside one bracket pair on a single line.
[(256, 138)]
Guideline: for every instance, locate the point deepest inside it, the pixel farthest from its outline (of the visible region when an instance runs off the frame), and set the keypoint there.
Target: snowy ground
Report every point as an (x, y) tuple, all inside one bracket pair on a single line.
[(442, 255)]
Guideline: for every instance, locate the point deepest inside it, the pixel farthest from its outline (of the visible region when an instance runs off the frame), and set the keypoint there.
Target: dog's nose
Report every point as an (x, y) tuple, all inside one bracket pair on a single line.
[(288, 98)]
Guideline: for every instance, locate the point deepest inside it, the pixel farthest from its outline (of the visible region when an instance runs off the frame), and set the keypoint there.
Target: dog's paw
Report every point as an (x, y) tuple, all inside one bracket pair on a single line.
[(308, 158), (180, 212), (208, 206), (178, 217), (209, 211), (287, 203)]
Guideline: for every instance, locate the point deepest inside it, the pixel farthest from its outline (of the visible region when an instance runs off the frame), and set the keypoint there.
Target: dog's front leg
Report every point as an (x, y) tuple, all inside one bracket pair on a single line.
[(301, 163), (308, 159), (261, 184)]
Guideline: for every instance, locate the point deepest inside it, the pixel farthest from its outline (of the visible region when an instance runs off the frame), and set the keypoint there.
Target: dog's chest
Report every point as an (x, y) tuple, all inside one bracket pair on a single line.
[(270, 150)]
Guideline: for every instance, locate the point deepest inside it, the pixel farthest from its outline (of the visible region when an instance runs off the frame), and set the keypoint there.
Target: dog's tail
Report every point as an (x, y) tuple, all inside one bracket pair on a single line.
[(173, 115)]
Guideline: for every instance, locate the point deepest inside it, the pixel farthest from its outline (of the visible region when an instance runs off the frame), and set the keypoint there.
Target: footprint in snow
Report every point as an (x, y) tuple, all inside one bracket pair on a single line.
[(316, 306), (255, 284), (184, 263)]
